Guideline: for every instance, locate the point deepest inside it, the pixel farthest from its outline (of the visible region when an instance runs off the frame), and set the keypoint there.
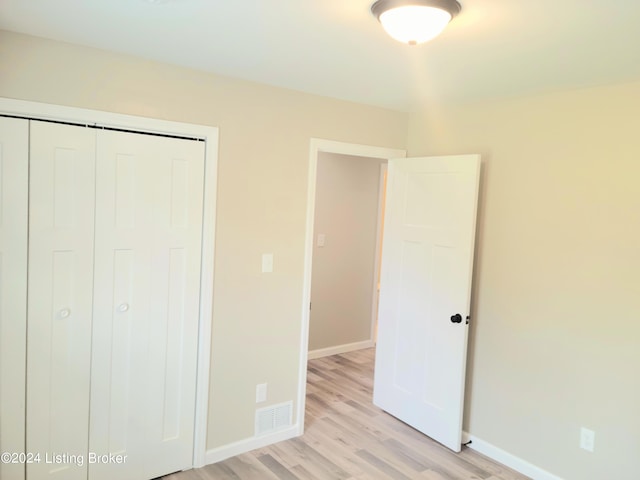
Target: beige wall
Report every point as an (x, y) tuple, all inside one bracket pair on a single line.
[(346, 212), (555, 339), (263, 161)]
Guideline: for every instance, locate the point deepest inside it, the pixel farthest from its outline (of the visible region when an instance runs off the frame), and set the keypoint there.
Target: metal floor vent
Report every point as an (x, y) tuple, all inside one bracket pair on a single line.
[(275, 417)]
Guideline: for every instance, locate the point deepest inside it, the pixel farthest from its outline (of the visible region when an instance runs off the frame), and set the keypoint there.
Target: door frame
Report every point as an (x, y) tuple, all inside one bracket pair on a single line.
[(384, 169), (81, 116), (316, 146)]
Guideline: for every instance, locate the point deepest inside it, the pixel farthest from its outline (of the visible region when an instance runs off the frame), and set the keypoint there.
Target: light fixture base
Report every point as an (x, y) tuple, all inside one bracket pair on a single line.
[(450, 6), (415, 21)]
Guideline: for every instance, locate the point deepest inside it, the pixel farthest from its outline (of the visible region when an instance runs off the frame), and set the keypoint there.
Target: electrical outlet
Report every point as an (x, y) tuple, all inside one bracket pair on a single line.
[(587, 439), (261, 392)]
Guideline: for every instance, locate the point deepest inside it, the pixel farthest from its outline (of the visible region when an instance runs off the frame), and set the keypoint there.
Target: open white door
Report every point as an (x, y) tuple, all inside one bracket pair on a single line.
[(427, 265)]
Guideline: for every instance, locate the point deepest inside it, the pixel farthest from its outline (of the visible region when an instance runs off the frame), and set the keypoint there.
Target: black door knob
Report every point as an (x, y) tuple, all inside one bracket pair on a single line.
[(457, 318)]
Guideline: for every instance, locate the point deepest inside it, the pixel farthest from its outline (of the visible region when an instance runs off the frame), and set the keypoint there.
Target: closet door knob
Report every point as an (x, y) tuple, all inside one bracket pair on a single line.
[(65, 312), (123, 307)]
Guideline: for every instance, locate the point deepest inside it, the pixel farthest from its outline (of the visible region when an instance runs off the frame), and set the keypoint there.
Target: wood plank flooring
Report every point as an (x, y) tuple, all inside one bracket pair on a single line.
[(348, 438)]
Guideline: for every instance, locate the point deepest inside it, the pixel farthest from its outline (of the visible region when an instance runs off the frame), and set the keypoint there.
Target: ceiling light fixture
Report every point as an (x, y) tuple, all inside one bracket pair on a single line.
[(415, 21)]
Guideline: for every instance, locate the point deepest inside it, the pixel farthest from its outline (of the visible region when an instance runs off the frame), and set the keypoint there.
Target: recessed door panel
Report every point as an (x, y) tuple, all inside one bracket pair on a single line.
[(125, 195)]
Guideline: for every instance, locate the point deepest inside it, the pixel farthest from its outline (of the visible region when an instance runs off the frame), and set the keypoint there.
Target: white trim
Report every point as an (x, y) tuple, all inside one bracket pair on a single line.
[(376, 265), (347, 347), (355, 149), (209, 134), (206, 298), (317, 145), (83, 116), (237, 448), (508, 459)]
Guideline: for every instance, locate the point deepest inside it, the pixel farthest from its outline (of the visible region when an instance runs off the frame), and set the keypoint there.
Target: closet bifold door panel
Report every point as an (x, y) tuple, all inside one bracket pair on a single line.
[(100, 266), (14, 167), (149, 206), (60, 298)]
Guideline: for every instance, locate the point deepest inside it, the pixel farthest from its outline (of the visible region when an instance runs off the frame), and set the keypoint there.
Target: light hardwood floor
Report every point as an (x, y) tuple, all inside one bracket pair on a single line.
[(347, 438)]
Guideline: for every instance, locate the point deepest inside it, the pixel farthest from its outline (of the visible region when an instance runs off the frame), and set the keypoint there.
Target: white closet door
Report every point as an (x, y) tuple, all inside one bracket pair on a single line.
[(61, 218), (149, 200), (14, 188)]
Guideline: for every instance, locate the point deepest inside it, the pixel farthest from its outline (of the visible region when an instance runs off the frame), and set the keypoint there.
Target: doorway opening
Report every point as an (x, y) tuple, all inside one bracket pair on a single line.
[(378, 156), (345, 268)]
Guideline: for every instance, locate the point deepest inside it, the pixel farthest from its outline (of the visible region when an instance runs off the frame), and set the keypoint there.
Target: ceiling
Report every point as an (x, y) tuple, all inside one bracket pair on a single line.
[(336, 48)]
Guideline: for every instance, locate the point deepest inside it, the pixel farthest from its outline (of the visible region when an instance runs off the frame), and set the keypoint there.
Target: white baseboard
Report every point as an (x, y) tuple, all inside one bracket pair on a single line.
[(347, 347), (243, 446), (508, 459)]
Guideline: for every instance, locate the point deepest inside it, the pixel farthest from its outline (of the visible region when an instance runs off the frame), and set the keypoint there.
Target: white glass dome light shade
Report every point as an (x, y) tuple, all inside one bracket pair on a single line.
[(413, 24), (415, 21)]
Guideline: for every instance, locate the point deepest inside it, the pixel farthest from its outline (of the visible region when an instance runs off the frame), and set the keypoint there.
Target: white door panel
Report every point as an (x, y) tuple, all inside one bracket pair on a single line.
[(14, 188), (426, 279), (149, 196), (61, 224)]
